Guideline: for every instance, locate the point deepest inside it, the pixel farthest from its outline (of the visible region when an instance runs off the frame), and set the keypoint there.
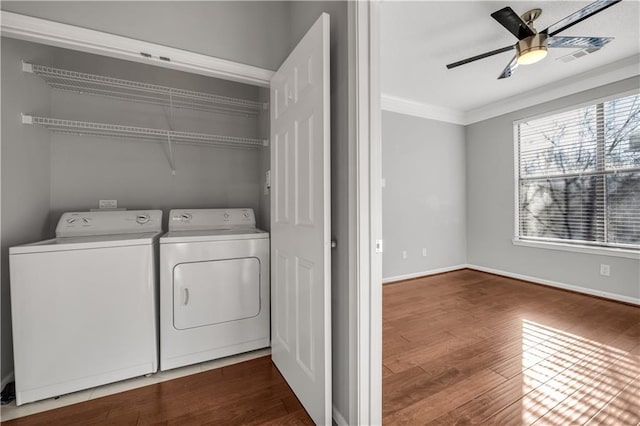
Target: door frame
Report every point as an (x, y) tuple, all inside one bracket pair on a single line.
[(365, 214), (365, 173)]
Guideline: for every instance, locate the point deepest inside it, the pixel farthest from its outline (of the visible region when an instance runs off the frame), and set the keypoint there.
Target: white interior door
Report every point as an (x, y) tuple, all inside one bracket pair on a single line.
[(300, 222)]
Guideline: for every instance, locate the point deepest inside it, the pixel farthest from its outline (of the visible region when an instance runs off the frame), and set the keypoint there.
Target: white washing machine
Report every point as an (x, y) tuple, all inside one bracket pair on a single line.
[(83, 304), (214, 286)]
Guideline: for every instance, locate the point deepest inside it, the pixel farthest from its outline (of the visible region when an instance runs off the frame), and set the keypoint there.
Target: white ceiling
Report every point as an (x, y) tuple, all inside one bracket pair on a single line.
[(419, 38)]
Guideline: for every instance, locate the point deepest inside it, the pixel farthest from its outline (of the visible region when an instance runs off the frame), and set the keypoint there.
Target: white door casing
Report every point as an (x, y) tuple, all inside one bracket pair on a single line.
[(300, 222)]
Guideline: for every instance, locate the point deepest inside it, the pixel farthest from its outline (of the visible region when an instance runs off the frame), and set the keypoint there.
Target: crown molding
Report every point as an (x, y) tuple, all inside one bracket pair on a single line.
[(418, 109), (611, 73), (22, 27)]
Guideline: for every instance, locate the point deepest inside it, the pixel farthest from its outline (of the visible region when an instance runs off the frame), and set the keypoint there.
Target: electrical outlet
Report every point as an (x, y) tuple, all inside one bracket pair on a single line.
[(404, 254), (108, 204), (424, 252), (605, 270)]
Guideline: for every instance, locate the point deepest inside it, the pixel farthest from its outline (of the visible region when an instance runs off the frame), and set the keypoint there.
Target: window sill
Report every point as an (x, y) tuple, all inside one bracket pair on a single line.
[(602, 251)]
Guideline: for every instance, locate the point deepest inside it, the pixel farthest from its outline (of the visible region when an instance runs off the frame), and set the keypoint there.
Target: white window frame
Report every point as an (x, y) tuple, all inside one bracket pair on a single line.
[(630, 253)]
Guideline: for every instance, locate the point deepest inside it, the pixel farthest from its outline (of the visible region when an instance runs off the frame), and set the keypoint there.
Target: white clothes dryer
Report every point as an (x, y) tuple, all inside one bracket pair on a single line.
[(83, 304), (214, 286)]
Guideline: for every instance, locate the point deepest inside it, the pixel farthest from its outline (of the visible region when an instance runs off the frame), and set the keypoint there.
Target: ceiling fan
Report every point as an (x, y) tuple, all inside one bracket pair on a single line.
[(532, 45)]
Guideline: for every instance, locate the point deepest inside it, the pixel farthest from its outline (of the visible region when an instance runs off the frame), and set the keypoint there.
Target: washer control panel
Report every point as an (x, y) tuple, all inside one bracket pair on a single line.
[(79, 224), (204, 219)]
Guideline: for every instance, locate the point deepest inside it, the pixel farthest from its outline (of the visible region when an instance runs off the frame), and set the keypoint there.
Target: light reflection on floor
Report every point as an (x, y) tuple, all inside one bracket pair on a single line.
[(568, 379)]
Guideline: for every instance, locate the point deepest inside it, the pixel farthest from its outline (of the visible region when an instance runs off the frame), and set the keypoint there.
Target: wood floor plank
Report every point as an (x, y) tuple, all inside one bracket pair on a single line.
[(622, 409), (589, 392), (426, 410), (252, 392), (491, 402), (546, 344)]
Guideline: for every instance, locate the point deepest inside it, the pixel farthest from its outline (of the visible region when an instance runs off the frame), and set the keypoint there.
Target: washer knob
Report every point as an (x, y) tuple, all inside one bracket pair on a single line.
[(142, 219), (71, 220)]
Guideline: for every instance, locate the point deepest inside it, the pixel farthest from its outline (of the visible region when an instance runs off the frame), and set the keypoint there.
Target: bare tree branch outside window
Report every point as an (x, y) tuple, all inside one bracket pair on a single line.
[(579, 175)]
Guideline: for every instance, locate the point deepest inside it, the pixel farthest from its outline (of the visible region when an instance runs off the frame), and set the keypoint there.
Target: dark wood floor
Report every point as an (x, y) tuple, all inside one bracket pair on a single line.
[(249, 393), (472, 348)]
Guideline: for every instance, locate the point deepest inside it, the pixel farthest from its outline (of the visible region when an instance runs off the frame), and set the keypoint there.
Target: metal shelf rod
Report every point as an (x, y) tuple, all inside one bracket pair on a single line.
[(141, 92), (130, 132)]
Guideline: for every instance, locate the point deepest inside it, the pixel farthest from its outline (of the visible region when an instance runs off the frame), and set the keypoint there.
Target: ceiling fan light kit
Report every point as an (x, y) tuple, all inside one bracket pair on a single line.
[(532, 45), (532, 49)]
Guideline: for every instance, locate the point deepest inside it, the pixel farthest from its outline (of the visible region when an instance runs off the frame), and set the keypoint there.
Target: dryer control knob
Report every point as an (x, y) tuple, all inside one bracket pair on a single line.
[(71, 220), (142, 218)]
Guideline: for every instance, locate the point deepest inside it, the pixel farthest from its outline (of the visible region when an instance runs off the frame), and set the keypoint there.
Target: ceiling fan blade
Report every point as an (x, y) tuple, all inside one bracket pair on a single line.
[(512, 22), (481, 56), (510, 68), (578, 42), (580, 16)]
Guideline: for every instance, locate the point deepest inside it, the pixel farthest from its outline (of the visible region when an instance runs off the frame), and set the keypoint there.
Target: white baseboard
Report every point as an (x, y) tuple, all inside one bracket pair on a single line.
[(577, 289), (8, 378), (423, 273), (338, 418)]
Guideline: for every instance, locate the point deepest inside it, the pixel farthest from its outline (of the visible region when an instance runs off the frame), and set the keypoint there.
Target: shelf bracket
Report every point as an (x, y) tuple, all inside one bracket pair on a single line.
[(26, 119), (27, 67), (171, 109), (170, 158), (265, 142)]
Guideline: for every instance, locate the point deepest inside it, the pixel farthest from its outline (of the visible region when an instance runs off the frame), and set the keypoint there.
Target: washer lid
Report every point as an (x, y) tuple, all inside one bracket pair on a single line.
[(213, 235), (88, 242)]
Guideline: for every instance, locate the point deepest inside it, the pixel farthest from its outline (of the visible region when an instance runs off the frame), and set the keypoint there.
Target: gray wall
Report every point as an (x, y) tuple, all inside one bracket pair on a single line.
[(254, 33), (25, 170), (303, 15), (424, 200), (490, 204), (137, 174)]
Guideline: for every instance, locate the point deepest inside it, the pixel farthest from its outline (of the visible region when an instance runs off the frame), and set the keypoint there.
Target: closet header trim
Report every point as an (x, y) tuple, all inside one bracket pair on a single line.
[(22, 27)]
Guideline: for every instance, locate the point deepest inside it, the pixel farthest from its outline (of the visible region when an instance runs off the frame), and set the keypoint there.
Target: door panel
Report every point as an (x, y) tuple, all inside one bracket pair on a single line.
[(300, 228), (281, 165)]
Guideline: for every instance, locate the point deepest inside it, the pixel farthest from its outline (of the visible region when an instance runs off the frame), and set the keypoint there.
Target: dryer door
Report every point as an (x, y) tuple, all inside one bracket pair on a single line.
[(213, 292)]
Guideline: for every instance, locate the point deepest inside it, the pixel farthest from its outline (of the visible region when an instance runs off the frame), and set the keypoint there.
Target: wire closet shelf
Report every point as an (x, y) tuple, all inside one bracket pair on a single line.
[(142, 133), (135, 91)]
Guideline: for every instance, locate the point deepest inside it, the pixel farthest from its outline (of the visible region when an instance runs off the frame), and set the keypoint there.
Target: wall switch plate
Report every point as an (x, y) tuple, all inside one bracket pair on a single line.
[(267, 182), (404, 254), (605, 270), (424, 252), (108, 204)]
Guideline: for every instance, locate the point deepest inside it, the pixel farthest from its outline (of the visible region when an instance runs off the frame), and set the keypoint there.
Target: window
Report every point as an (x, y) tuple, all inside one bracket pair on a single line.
[(579, 175)]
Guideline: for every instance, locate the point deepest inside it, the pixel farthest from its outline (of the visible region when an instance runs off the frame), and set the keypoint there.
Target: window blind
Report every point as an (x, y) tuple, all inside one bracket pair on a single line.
[(579, 175)]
